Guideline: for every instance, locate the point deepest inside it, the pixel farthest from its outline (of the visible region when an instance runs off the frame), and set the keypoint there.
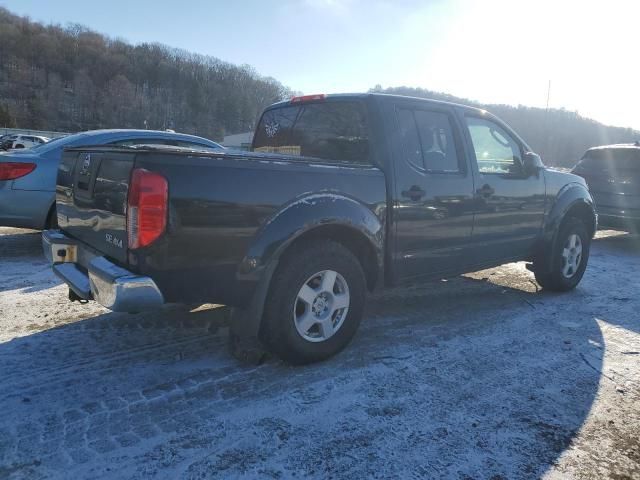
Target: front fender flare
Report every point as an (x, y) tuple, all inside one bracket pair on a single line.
[(569, 197)]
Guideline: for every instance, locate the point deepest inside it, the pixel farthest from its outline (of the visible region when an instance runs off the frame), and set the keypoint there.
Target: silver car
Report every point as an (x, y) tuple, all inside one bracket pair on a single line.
[(28, 177)]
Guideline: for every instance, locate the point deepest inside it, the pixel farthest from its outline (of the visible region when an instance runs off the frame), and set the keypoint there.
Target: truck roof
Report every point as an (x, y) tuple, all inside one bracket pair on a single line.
[(381, 96)]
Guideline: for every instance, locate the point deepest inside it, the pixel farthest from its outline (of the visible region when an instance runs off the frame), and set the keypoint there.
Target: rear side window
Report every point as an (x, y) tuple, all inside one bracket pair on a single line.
[(611, 159), (428, 142), (335, 131)]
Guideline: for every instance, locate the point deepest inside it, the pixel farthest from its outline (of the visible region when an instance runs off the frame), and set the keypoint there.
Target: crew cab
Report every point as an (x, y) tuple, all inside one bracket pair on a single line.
[(340, 195)]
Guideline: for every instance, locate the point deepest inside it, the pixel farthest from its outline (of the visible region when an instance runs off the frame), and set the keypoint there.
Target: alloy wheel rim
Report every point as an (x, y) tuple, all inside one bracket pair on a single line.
[(321, 306), (571, 255)]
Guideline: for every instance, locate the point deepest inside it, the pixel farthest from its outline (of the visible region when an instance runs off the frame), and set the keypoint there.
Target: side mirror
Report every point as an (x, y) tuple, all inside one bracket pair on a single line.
[(532, 164)]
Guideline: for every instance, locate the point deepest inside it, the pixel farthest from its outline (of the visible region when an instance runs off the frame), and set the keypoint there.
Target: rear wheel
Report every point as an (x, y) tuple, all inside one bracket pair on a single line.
[(569, 256), (315, 303)]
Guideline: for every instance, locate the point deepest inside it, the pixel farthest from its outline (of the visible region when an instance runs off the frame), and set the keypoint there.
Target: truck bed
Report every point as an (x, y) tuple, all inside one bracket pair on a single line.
[(218, 205)]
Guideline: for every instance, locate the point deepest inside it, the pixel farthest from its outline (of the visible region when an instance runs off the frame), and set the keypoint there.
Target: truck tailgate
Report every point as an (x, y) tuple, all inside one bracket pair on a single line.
[(91, 199)]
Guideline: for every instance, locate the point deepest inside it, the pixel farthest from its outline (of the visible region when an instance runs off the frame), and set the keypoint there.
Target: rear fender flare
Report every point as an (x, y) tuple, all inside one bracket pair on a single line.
[(298, 217), (303, 215)]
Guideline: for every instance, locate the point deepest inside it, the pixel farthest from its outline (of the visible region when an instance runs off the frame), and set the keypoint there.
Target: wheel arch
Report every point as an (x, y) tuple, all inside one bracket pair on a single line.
[(352, 239), (573, 201), (308, 218), (584, 212), (322, 215)]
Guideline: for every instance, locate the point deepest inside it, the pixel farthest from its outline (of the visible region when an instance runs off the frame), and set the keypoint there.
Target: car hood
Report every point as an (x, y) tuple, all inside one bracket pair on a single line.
[(556, 179)]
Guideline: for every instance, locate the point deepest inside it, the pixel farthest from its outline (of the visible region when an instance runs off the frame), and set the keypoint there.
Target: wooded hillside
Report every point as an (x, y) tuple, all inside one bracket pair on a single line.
[(72, 79), (560, 136)]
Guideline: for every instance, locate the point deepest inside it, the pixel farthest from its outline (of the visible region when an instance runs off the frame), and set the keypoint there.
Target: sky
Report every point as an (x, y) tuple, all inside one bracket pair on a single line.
[(491, 51)]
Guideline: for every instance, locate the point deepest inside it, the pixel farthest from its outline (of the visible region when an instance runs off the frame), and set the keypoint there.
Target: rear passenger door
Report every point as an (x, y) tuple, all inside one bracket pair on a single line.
[(433, 204)]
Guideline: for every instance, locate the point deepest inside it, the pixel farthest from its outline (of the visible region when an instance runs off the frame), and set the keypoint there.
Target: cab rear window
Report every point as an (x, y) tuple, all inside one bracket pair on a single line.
[(334, 131)]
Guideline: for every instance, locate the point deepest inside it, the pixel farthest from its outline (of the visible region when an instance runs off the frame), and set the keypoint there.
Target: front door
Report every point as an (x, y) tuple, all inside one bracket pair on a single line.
[(433, 194), (509, 204)]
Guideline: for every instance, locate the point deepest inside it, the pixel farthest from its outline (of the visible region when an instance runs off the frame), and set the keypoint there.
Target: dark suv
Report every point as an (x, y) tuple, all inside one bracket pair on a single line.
[(613, 175)]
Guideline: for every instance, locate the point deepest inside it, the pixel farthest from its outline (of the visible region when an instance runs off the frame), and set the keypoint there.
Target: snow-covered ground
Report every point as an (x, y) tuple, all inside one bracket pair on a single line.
[(477, 377)]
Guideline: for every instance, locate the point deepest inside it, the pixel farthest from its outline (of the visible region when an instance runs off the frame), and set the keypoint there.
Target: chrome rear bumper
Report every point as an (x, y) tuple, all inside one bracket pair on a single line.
[(93, 277)]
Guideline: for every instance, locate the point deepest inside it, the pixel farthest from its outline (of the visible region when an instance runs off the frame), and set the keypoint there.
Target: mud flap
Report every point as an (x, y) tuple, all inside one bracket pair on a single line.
[(244, 324), (245, 347)]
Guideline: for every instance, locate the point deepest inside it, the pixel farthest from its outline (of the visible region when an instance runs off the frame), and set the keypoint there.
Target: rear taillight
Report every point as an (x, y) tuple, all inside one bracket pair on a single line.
[(146, 208), (13, 170)]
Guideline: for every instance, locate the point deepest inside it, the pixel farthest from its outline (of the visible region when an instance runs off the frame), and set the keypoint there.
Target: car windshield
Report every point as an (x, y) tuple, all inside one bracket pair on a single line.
[(59, 142)]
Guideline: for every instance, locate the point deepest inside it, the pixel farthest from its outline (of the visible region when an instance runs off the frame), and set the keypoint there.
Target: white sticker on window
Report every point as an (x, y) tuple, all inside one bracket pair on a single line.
[(271, 127)]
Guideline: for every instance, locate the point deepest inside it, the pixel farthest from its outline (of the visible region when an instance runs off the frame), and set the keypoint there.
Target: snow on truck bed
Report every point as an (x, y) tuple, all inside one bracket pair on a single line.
[(476, 377)]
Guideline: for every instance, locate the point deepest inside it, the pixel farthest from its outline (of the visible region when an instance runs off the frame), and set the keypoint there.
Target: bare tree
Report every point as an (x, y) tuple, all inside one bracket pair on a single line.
[(71, 78)]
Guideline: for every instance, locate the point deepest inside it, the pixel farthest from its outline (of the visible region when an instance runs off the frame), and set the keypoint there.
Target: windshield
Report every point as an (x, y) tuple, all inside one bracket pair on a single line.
[(59, 142)]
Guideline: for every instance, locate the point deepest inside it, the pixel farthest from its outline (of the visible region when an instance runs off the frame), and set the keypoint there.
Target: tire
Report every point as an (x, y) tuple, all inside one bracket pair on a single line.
[(566, 273), (300, 296)]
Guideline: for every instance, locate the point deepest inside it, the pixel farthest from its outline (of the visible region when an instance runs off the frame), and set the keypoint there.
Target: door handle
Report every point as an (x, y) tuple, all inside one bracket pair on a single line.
[(486, 190), (415, 193)]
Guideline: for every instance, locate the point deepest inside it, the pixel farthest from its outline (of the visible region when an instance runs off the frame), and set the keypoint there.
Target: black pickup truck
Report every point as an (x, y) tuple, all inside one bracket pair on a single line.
[(340, 194)]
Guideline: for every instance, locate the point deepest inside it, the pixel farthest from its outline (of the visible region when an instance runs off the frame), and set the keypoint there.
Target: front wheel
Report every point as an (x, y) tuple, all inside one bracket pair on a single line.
[(569, 256), (315, 303)]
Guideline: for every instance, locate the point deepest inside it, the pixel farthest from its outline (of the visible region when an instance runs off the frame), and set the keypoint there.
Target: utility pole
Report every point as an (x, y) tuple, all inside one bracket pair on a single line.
[(548, 94)]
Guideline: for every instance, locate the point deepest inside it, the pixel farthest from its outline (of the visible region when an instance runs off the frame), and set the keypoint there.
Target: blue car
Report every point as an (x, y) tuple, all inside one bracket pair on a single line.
[(28, 177)]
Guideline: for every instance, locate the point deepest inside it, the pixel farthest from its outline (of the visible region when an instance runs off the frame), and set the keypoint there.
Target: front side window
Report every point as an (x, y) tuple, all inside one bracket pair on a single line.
[(496, 150), (335, 131)]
